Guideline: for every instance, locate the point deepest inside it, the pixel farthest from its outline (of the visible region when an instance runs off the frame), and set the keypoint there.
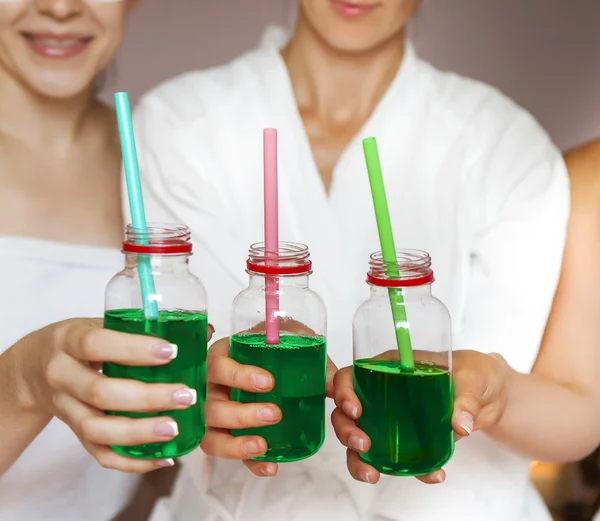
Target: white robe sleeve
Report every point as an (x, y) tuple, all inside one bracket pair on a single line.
[(519, 206)]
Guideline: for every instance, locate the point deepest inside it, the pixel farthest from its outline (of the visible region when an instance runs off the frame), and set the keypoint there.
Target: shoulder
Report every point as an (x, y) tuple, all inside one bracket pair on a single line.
[(481, 114)]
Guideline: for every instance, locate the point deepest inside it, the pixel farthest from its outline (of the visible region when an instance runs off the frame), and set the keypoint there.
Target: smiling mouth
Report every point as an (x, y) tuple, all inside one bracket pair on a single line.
[(57, 46), (57, 40)]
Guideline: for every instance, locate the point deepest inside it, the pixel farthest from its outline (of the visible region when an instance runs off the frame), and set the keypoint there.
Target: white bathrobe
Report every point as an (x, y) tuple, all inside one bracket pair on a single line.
[(471, 178)]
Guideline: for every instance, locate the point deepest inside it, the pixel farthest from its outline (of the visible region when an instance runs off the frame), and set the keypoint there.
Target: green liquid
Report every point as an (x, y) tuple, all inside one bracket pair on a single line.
[(298, 364), (406, 414), (187, 330)]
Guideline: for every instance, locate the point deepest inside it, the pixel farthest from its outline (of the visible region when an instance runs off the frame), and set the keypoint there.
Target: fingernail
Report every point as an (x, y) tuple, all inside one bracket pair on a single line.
[(268, 415), (357, 443), (167, 429), (165, 351), (366, 476), (466, 421), (350, 409), (437, 477), (268, 471), (162, 463), (262, 381), (185, 397), (212, 328), (252, 447)]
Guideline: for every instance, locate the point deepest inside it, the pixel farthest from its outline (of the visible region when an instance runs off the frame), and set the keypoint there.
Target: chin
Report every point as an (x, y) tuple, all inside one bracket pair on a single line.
[(353, 42), (60, 86)]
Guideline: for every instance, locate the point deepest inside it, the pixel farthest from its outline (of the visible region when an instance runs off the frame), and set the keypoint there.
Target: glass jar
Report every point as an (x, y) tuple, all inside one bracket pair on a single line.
[(180, 299), (294, 352), (407, 407)]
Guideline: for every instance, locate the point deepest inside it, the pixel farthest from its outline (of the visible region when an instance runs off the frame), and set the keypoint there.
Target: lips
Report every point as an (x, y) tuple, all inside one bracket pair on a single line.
[(353, 10), (52, 45)]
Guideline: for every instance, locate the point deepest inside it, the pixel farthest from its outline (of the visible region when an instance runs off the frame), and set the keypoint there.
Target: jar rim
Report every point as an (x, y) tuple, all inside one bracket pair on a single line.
[(292, 258), (158, 239), (412, 268)]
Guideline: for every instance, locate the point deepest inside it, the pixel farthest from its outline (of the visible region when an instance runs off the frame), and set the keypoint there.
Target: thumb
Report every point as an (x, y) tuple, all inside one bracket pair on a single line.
[(466, 410)]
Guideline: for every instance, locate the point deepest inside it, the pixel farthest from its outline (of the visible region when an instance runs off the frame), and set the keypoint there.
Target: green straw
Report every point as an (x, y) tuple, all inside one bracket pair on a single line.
[(136, 201), (388, 250)]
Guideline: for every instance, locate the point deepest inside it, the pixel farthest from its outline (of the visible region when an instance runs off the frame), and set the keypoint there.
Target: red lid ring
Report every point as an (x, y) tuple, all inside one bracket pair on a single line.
[(400, 283), (279, 270)]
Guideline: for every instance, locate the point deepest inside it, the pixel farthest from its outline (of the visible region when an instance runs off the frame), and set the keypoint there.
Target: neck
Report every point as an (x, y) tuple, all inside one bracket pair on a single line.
[(37, 119), (339, 85)]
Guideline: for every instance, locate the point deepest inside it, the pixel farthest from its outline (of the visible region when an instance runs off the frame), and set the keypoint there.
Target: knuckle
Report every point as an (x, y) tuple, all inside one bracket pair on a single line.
[(88, 345), (99, 391), (89, 428), (58, 334), (236, 378), (53, 374), (242, 417)]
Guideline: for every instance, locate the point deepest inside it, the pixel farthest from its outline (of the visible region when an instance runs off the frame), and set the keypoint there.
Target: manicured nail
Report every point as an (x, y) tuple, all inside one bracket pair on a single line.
[(350, 410), (262, 381), (162, 463), (253, 447), (437, 477), (268, 415), (357, 443), (165, 351), (185, 397), (466, 421), (268, 471), (167, 429), (366, 476)]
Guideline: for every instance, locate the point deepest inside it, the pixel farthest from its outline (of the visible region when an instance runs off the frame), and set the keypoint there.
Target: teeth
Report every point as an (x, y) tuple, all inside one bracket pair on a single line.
[(52, 42)]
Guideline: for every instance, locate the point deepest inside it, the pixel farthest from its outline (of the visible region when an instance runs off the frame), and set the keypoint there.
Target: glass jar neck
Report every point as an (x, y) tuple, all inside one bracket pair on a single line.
[(257, 280), (162, 263), (410, 293)]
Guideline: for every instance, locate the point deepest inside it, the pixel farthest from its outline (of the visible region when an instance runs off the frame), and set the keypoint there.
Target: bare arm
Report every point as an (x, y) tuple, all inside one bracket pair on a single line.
[(20, 421), (554, 413)]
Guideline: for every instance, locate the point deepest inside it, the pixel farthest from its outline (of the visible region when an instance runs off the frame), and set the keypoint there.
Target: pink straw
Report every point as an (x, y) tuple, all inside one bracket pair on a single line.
[(271, 233)]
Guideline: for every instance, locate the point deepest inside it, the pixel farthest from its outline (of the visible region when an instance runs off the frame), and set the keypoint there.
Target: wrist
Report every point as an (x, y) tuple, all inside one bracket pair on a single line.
[(20, 377), (508, 379)]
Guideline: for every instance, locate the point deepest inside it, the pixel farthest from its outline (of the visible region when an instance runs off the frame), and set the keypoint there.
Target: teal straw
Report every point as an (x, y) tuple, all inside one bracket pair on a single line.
[(136, 201), (388, 251)]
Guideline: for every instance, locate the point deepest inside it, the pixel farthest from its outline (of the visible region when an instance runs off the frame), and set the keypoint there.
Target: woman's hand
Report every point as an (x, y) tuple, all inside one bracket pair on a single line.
[(59, 365), (222, 415), (480, 399)]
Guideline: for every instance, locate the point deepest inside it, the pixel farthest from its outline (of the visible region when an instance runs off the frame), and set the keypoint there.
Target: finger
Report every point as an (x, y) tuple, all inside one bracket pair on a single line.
[(331, 370), (210, 332), (262, 469), (221, 444), (118, 394), (95, 427), (222, 370), (344, 396), (223, 414), (117, 430), (348, 433), (439, 476), (360, 470), (79, 416), (109, 459), (85, 339)]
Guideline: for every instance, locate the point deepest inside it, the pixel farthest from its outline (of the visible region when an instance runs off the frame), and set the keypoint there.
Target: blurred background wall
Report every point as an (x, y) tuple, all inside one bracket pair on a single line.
[(545, 54)]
